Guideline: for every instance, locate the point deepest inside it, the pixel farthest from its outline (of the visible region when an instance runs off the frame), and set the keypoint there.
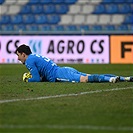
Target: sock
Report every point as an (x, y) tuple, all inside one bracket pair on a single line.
[(109, 75), (104, 78), (93, 78), (122, 78), (100, 78)]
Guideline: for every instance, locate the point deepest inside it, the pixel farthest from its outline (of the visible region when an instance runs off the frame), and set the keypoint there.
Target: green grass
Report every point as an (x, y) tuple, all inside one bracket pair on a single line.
[(103, 112)]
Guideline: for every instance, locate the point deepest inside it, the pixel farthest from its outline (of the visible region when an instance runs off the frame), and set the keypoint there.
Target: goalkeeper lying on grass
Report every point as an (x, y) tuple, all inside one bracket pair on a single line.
[(44, 69)]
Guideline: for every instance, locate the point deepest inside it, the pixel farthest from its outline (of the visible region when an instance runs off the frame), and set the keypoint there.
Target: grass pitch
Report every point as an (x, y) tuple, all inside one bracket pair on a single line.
[(63, 107)]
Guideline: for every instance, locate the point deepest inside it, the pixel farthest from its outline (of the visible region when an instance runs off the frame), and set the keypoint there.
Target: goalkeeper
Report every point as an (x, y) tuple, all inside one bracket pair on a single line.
[(43, 69)]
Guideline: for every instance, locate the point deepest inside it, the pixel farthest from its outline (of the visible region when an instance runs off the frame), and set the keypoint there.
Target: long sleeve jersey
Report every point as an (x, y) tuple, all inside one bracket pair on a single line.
[(41, 67)]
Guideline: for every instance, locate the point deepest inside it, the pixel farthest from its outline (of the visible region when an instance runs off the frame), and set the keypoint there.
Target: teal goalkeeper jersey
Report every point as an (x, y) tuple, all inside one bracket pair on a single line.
[(41, 68)]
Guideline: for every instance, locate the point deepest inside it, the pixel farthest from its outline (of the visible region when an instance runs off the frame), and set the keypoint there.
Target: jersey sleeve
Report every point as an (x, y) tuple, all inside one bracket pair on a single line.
[(34, 72)]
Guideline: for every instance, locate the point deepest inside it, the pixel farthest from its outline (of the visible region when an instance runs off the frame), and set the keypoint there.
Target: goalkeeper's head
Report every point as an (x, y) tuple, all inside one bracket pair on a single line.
[(23, 51)]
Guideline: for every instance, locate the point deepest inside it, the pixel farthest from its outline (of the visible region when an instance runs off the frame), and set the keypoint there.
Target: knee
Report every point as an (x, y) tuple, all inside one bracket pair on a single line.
[(84, 79)]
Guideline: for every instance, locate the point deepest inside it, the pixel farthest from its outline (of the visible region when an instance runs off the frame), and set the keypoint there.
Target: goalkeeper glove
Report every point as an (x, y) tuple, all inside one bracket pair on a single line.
[(26, 76)]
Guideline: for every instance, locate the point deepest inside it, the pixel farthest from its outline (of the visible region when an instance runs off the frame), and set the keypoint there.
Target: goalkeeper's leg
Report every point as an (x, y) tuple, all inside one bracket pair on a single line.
[(103, 78)]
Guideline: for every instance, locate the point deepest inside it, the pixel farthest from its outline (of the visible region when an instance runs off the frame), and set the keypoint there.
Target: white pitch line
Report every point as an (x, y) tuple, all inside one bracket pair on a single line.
[(88, 127), (64, 95)]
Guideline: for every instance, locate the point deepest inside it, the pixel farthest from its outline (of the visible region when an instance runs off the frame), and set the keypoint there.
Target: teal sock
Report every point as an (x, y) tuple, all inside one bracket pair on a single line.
[(122, 78), (93, 78), (100, 78), (106, 78)]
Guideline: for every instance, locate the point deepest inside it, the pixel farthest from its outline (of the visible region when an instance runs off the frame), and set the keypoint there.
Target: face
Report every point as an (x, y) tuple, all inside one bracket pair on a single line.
[(21, 57)]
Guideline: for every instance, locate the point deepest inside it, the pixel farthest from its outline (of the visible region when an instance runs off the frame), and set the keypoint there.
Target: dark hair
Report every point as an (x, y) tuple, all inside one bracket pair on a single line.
[(23, 49)]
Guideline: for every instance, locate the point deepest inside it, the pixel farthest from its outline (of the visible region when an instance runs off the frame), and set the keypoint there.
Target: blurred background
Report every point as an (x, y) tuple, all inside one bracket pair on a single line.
[(66, 16), (69, 17)]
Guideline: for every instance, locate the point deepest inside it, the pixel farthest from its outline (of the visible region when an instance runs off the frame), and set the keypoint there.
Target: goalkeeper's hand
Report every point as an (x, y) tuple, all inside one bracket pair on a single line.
[(26, 76)]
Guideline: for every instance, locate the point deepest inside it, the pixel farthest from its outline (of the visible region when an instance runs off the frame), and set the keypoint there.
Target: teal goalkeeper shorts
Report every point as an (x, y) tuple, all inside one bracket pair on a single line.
[(68, 74)]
